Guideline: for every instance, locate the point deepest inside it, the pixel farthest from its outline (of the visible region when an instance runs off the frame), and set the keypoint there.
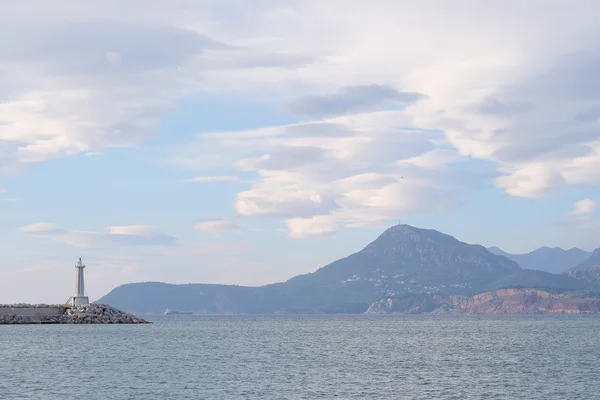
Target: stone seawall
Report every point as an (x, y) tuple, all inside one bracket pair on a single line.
[(31, 311), (17, 314)]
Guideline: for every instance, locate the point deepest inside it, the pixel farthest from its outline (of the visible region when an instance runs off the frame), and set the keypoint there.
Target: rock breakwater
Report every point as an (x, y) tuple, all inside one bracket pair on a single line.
[(17, 314)]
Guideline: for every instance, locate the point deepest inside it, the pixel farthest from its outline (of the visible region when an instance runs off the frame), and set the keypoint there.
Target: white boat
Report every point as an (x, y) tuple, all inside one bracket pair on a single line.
[(173, 312)]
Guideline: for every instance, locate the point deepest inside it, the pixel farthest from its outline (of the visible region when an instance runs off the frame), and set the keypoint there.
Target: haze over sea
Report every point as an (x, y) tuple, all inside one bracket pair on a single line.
[(306, 357)]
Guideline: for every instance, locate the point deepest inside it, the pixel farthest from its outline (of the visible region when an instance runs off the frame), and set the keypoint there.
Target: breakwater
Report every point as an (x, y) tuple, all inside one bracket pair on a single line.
[(16, 314)]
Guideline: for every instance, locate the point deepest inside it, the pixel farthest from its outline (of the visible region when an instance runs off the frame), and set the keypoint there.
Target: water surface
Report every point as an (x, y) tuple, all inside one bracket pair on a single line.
[(312, 357)]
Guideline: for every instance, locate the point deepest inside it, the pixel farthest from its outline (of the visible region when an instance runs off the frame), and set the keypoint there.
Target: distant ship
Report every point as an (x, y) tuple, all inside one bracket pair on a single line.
[(173, 312)]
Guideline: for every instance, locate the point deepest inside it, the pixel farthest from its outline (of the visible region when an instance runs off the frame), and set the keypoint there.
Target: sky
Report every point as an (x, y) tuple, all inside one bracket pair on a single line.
[(244, 143)]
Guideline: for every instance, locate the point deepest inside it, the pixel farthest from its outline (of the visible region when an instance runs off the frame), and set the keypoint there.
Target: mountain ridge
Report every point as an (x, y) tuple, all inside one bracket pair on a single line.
[(401, 261), (555, 260)]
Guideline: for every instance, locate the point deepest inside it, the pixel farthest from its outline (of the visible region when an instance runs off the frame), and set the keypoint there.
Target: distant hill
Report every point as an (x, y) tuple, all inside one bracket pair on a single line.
[(403, 260), (588, 270), (554, 260), (593, 260)]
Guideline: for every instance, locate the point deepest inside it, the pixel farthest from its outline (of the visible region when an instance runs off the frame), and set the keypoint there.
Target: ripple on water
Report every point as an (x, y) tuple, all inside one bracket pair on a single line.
[(294, 357)]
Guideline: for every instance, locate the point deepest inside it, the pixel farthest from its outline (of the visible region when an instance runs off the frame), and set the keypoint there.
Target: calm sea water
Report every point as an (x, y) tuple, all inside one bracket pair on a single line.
[(283, 357)]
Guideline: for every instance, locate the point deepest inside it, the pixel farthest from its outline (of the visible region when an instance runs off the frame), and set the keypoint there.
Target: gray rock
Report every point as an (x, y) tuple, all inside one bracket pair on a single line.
[(87, 314)]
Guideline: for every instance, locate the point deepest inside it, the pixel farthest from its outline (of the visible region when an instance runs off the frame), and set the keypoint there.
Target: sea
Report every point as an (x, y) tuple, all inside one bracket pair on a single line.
[(306, 357)]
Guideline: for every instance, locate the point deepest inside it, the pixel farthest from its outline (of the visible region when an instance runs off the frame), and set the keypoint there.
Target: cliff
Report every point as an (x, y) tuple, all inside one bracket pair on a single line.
[(503, 301)]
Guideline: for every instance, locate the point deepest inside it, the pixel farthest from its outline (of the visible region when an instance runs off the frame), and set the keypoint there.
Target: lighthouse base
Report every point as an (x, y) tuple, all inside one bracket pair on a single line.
[(79, 301)]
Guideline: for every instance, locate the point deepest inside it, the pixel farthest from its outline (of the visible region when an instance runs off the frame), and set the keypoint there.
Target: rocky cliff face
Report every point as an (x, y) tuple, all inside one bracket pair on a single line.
[(504, 301)]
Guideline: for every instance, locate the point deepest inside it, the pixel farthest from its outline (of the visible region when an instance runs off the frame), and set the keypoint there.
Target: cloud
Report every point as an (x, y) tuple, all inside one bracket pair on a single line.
[(132, 235), (218, 226), (533, 180), (2, 190), (318, 226), (493, 106), (42, 227), (516, 107), (216, 178), (85, 79), (583, 207), (379, 170), (283, 193), (581, 217), (521, 100), (542, 134), (351, 99)]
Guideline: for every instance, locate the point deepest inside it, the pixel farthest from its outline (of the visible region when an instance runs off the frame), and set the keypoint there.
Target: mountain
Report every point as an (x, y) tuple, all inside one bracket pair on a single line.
[(402, 261), (554, 260), (588, 270), (592, 261), (504, 301)]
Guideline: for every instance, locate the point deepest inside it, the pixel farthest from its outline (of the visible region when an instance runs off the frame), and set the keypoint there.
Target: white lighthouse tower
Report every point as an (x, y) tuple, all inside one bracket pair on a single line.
[(80, 298)]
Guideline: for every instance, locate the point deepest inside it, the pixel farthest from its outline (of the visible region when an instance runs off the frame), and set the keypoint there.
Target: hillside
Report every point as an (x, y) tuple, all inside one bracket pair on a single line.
[(592, 261), (554, 260), (588, 270), (402, 261), (504, 301)]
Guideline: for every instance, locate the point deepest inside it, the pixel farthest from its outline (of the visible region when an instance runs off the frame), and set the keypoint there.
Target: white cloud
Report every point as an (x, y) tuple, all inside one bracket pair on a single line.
[(2, 190), (87, 78), (131, 235), (583, 207), (300, 228), (39, 228), (218, 226), (524, 102), (581, 217), (137, 230), (350, 100), (216, 178), (530, 180), (357, 170)]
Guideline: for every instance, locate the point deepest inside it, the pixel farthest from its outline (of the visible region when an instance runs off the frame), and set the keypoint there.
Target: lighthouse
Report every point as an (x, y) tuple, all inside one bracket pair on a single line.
[(80, 298)]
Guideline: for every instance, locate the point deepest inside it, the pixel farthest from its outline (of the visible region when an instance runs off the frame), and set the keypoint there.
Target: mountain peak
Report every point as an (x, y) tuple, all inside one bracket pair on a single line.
[(496, 250), (406, 244), (546, 249), (406, 233)]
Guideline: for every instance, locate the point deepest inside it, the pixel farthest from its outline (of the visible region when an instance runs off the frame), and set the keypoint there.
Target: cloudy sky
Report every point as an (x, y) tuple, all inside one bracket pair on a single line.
[(245, 142)]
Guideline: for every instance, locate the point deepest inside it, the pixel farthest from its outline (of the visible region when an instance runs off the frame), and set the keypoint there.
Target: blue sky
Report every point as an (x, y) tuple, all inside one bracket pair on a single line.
[(228, 143)]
